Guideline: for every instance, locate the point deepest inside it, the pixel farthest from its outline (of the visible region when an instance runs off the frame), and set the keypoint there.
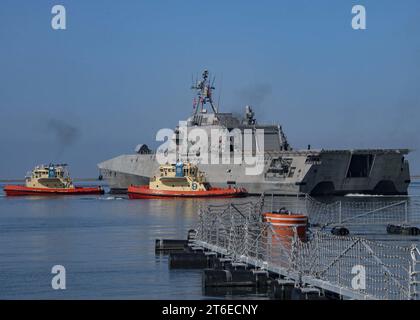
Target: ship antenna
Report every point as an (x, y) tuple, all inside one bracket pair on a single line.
[(204, 92), (195, 103), (220, 93), (211, 87)]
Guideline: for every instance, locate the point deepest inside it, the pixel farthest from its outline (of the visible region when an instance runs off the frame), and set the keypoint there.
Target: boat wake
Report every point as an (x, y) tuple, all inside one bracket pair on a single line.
[(103, 198), (112, 198), (360, 195)]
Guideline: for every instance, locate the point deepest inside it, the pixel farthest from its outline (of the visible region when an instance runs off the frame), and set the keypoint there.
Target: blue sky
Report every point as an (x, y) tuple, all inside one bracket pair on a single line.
[(122, 70)]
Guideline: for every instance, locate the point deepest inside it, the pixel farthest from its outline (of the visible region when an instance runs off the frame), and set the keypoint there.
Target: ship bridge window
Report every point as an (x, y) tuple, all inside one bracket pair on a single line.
[(360, 165)]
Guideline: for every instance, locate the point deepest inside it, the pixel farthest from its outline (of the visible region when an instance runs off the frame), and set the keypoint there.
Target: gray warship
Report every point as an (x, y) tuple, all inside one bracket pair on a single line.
[(285, 171)]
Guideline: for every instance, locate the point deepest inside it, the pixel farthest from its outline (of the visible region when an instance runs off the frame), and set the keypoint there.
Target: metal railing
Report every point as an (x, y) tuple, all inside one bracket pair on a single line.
[(353, 267), (372, 212)]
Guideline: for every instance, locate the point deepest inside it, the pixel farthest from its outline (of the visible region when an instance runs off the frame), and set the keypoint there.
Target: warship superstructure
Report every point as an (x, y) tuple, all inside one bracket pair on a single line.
[(285, 171)]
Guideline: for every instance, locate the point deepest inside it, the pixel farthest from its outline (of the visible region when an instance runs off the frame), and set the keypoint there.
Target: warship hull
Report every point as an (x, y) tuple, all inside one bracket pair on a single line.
[(324, 172), (286, 171)]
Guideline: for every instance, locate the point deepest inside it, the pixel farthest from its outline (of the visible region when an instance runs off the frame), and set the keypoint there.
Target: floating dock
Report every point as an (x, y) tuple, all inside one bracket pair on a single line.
[(237, 246)]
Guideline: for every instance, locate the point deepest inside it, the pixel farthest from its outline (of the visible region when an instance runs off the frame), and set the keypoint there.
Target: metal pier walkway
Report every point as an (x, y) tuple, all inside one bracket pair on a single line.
[(352, 267)]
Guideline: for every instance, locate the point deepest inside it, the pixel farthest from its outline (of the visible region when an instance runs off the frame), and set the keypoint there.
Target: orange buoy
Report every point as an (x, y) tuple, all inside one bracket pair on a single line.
[(284, 225)]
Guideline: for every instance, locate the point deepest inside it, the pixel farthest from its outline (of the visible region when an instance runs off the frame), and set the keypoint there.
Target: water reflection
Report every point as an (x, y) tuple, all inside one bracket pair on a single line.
[(107, 245)]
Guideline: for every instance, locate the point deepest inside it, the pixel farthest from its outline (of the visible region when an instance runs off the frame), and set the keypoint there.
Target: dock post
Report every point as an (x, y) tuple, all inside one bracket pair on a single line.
[(414, 281), (272, 202), (339, 213)]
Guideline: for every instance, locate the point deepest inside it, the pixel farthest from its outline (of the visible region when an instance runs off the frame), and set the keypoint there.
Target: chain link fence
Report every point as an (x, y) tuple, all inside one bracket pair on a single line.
[(347, 212), (352, 266)]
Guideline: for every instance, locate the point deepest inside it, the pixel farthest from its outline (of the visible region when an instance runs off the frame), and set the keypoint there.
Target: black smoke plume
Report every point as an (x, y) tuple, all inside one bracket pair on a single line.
[(64, 133)]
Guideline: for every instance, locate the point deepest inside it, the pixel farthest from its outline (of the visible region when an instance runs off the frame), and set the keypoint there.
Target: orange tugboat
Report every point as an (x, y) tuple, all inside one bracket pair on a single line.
[(181, 180), (49, 180)]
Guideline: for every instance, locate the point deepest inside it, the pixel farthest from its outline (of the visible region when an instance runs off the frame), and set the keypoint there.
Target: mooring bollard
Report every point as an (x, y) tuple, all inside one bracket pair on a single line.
[(402, 230), (340, 231)]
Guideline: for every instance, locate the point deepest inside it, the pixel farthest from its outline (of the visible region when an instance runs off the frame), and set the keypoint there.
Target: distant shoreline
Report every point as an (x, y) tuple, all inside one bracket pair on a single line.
[(23, 180), (415, 177)]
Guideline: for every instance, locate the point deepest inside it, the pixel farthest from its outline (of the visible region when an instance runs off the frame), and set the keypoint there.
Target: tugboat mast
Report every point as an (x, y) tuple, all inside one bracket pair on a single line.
[(204, 93)]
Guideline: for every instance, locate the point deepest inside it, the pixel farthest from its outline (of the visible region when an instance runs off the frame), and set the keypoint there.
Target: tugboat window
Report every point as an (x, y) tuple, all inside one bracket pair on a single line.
[(360, 166)]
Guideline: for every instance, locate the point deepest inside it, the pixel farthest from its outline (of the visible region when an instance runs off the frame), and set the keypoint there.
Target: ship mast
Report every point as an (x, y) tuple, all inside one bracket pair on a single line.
[(204, 93)]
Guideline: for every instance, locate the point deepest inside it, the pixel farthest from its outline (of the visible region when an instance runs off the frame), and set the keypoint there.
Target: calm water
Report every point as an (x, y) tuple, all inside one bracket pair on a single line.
[(106, 244)]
